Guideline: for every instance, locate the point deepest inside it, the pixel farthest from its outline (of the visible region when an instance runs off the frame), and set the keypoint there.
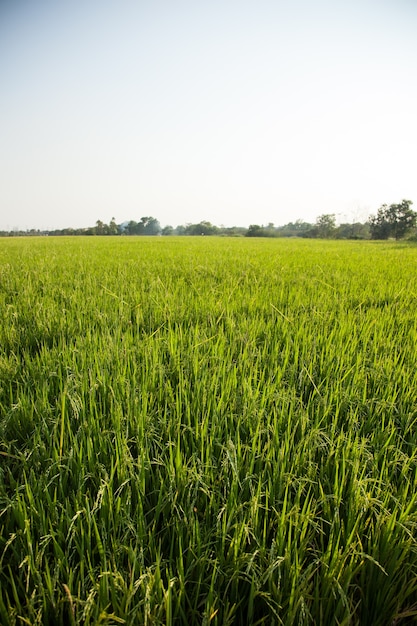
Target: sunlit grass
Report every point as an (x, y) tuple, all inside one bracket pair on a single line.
[(207, 431)]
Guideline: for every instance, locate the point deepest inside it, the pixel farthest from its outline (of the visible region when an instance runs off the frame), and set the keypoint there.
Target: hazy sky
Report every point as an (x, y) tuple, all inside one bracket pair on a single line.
[(232, 111)]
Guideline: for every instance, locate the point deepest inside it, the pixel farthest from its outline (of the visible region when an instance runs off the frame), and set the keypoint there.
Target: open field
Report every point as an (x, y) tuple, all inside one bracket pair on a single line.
[(207, 431)]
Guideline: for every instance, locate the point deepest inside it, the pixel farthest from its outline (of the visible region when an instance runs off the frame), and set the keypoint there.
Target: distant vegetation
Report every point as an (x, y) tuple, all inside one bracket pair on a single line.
[(393, 221)]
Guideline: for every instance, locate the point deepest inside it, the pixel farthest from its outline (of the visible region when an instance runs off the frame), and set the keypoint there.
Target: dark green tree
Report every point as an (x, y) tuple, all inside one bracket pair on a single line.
[(100, 227), (149, 226), (255, 230), (326, 225), (395, 220), (113, 228), (132, 228), (202, 228), (352, 231)]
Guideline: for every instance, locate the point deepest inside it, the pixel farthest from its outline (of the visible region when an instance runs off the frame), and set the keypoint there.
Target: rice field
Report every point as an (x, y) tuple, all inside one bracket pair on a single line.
[(207, 431)]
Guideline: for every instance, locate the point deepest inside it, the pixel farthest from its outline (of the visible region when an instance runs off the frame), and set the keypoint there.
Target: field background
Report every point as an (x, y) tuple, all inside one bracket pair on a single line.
[(207, 431)]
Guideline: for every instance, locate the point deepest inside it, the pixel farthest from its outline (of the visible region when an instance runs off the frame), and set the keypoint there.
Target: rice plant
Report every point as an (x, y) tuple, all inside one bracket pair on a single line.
[(207, 431)]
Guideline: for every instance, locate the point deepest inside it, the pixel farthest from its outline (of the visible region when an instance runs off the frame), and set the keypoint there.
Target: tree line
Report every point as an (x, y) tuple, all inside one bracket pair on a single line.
[(395, 221)]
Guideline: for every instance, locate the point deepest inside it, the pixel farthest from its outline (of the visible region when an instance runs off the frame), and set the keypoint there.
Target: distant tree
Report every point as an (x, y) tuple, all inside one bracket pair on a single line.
[(113, 228), (100, 226), (131, 228), (255, 230), (326, 225), (148, 226), (270, 230), (232, 231), (294, 229), (352, 231), (395, 220), (167, 231), (202, 228)]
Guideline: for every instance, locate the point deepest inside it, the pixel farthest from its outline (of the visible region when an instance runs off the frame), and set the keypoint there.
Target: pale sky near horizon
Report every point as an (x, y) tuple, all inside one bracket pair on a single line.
[(233, 111)]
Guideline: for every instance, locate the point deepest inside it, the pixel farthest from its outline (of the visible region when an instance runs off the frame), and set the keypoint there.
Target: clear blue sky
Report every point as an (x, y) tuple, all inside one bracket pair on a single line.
[(232, 111)]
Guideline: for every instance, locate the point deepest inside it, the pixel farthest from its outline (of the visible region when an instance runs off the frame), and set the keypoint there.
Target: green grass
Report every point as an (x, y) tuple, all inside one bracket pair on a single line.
[(207, 431)]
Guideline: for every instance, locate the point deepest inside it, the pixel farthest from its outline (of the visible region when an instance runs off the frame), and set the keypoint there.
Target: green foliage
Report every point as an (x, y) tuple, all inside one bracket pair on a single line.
[(262, 231), (357, 230), (146, 226), (202, 228), (395, 220), (325, 226), (255, 230), (207, 431)]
